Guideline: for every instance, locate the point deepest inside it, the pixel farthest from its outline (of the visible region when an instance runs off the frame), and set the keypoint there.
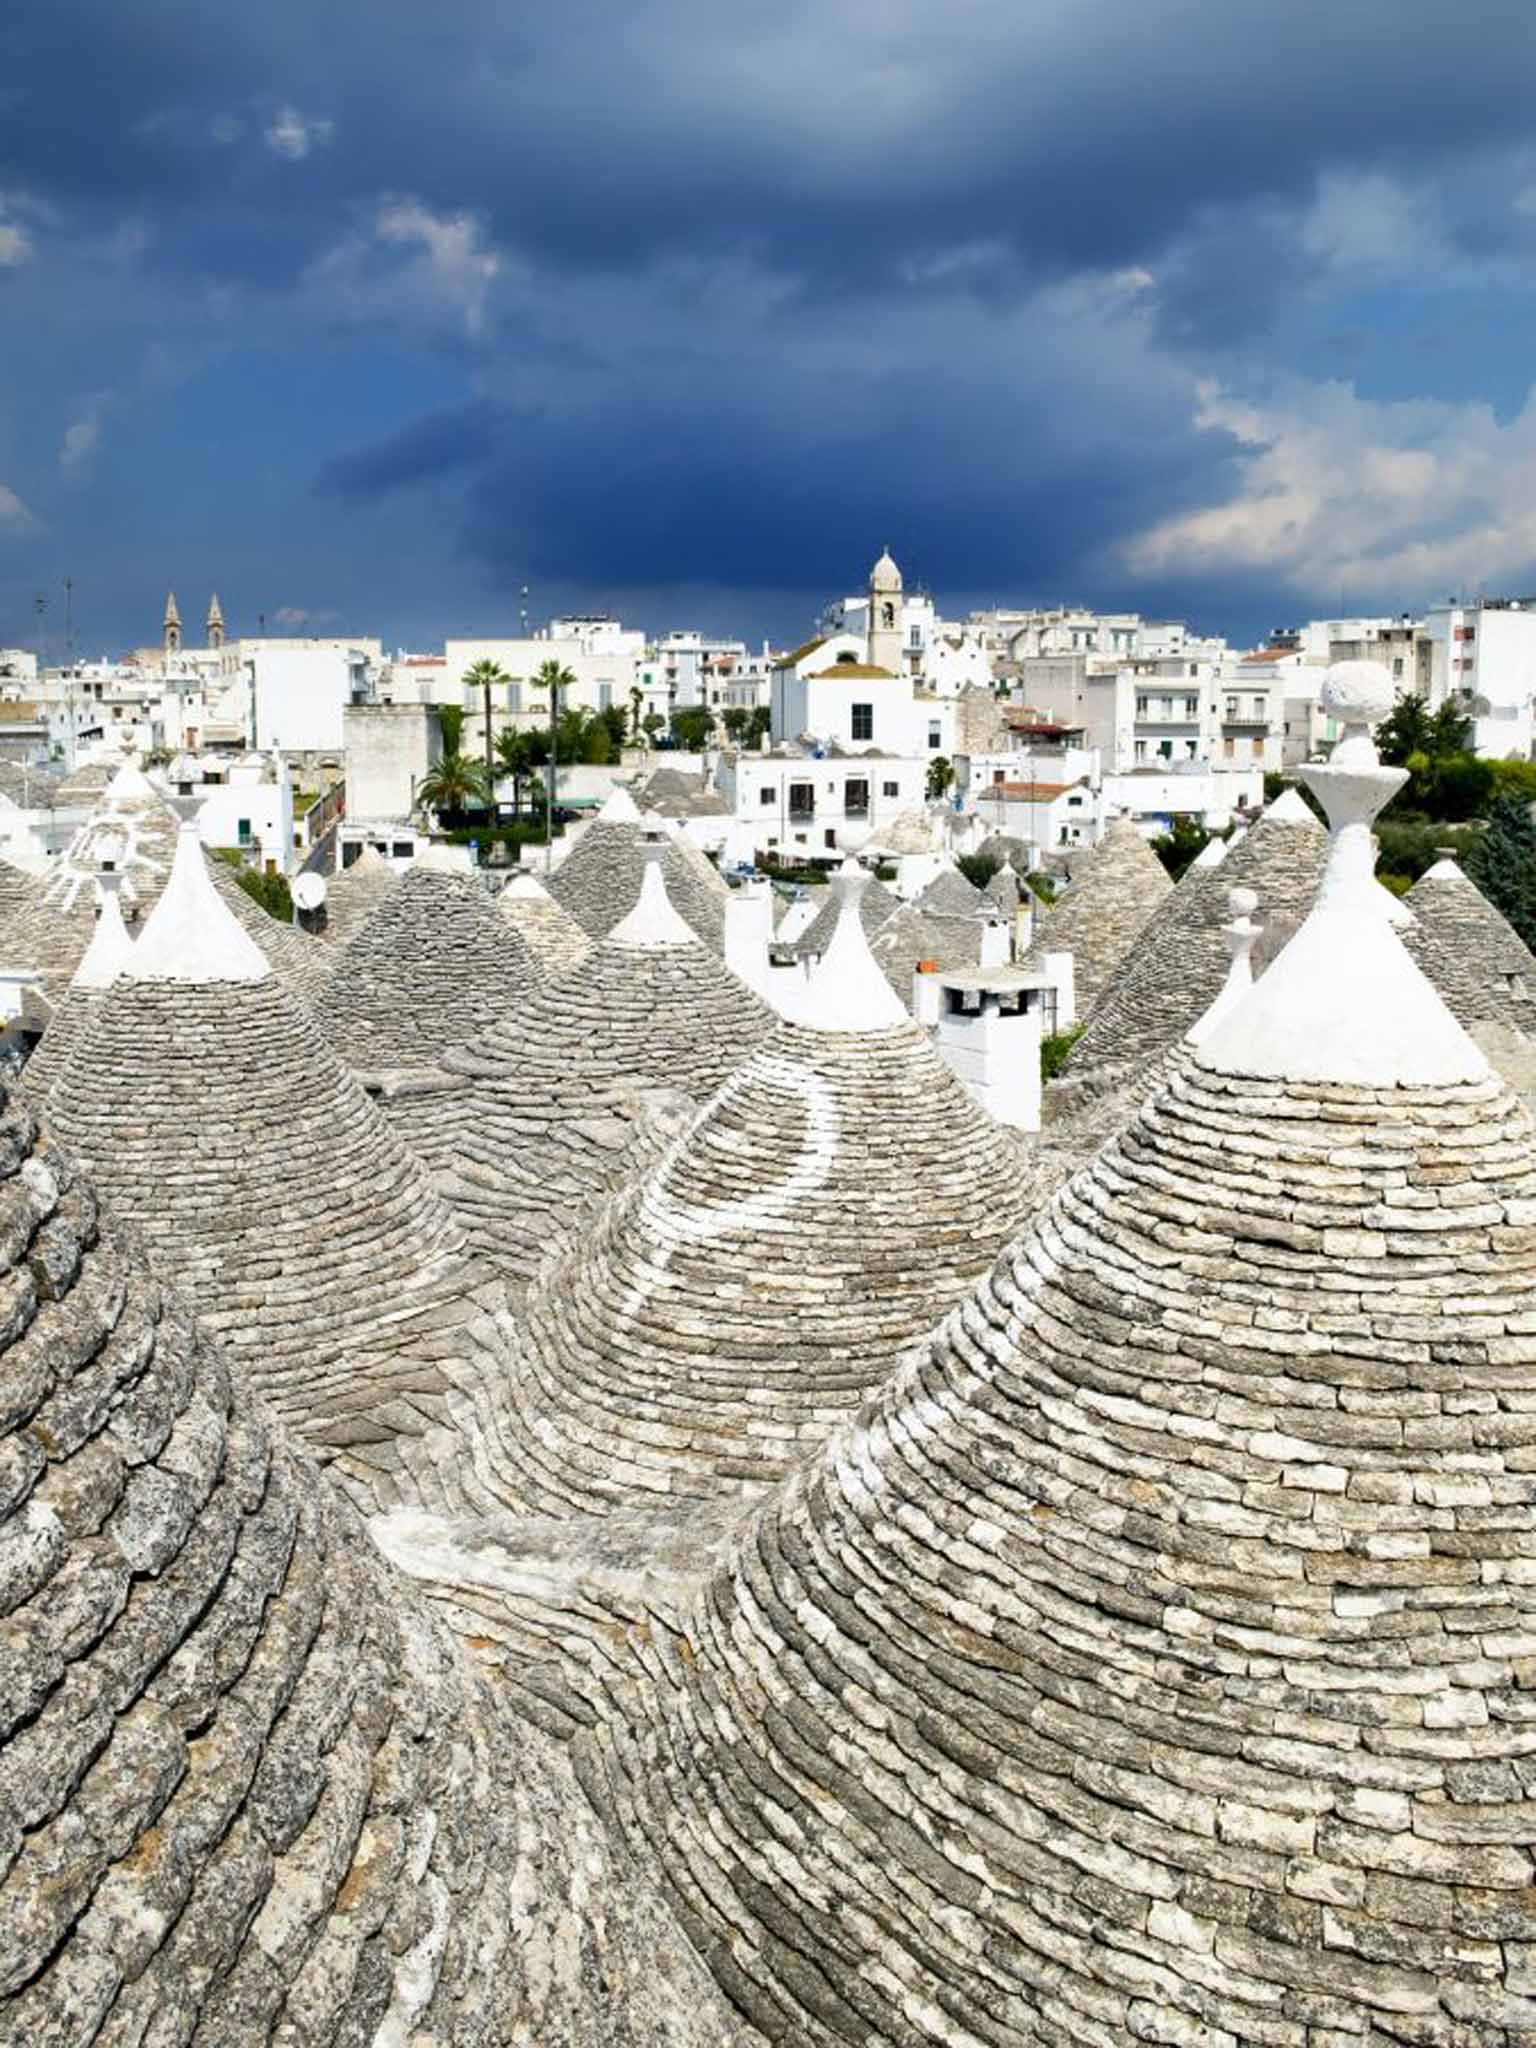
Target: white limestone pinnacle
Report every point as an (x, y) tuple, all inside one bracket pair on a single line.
[(130, 785), (107, 954), (619, 808), (1212, 854), (847, 990), (190, 935), (653, 922), (1241, 936), (1288, 808), (1344, 1002)]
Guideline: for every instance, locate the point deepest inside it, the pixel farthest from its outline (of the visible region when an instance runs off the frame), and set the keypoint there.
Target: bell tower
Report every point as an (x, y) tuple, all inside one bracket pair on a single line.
[(214, 627), (171, 634), (885, 624)]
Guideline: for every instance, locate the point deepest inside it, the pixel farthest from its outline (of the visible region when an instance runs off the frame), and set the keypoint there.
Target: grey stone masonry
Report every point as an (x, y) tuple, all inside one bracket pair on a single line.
[(215, 1120), (598, 881), (1153, 1659), (1470, 951), (354, 894), (1099, 918), (430, 967), (249, 1791), (554, 939), (1004, 892), (875, 905), (1179, 960), (728, 1308), (19, 891), (949, 894), (300, 962), (911, 935), (539, 1111)]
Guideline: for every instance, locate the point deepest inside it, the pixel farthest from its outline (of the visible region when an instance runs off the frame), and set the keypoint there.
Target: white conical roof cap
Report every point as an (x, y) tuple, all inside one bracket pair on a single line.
[(1290, 808), (191, 935), (1211, 855), (846, 990), (653, 922), (107, 955), (619, 808), (131, 785), (527, 887)]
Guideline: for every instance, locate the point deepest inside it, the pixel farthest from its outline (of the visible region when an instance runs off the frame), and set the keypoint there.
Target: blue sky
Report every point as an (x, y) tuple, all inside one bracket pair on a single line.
[(367, 315)]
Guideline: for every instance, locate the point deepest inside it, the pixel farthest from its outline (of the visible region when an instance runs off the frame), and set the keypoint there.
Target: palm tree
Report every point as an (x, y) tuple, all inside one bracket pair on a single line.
[(553, 676), (453, 785), (518, 753), (486, 676)]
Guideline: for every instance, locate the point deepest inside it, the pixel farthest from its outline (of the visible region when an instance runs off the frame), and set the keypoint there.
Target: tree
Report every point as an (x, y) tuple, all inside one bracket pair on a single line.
[(518, 753), (1502, 862), (450, 723), (758, 726), (977, 868), (1177, 849), (637, 714), (486, 676), (693, 727), (735, 718), (454, 786), (941, 775), (655, 725)]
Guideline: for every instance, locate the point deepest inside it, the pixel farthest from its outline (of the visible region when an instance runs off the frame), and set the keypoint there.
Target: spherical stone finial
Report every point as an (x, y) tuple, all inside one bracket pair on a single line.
[(1242, 902), (1357, 692), (852, 839)]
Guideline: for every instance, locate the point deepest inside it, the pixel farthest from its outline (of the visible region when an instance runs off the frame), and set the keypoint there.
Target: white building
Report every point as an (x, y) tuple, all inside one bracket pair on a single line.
[(246, 804), (300, 695), (388, 749), (1486, 654), (794, 803)]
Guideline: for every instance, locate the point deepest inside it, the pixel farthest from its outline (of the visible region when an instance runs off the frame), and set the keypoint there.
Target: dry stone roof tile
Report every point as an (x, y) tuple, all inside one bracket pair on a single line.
[(598, 881), (1115, 889), (296, 959), (910, 936), (430, 967), (539, 1110), (829, 1204), (216, 1120), (354, 893), (1179, 961), (248, 1790), (1470, 951), (949, 894), (875, 905), (553, 937)]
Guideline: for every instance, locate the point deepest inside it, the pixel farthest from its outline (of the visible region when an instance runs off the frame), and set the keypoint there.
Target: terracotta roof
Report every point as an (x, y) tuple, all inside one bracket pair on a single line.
[(857, 670), (1032, 792)]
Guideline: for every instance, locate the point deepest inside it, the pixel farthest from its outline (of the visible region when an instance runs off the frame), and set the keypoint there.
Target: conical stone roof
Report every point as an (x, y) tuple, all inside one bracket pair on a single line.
[(1115, 890), (430, 967), (875, 906), (539, 1108), (104, 960), (298, 962), (910, 936), (1179, 961), (554, 938), (1146, 1662), (598, 882), (249, 1791), (134, 828), (949, 894), (355, 893), (213, 1116), (1470, 951), (837, 1195), (1003, 892), (19, 894)]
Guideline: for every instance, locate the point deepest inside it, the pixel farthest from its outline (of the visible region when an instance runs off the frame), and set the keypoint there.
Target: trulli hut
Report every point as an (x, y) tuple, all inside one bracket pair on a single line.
[(1098, 919), (104, 959), (354, 893), (598, 881), (553, 937)]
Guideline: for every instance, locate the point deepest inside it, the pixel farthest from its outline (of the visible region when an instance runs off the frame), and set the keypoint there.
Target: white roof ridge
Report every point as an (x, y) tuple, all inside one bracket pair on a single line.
[(654, 921), (130, 783), (846, 990), (1448, 869), (527, 887), (1345, 1001), (1289, 808), (105, 958), (619, 808), (191, 934)]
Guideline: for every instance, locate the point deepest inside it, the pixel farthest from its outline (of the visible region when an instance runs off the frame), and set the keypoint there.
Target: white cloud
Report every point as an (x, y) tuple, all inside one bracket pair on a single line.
[(16, 244), (82, 437), (293, 135), (459, 261), (14, 515), (1403, 500)]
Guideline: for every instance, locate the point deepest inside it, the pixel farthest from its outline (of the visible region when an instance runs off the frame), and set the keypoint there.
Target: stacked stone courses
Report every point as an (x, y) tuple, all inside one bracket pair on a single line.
[(300, 963), (876, 905), (555, 940), (354, 894), (538, 1113), (249, 1792), (912, 935), (1178, 963), (430, 967), (1471, 952), (598, 881), (1150, 1660), (1115, 889), (742, 1297)]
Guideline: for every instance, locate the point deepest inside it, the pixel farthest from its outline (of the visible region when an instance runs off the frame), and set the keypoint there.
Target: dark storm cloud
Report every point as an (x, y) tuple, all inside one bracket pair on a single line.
[(692, 292)]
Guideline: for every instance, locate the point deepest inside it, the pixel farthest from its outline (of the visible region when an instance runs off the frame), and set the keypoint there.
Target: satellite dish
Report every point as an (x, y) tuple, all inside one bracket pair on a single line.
[(309, 890)]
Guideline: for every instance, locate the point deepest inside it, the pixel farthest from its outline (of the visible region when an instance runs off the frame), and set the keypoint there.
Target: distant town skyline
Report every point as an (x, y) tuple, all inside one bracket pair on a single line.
[(1216, 314)]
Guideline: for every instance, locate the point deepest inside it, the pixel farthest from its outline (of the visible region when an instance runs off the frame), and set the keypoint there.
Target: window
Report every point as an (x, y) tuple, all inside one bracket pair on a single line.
[(890, 789), (1231, 707), (403, 849), (1229, 747), (999, 774), (863, 721), (829, 838), (856, 798), (243, 831), (1258, 748), (802, 800), (1397, 665), (935, 734), (1191, 707), (1165, 750), (605, 696), (1074, 803), (1141, 750), (1141, 706), (1261, 707), (766, 794), (915, 637), (514, 698)]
